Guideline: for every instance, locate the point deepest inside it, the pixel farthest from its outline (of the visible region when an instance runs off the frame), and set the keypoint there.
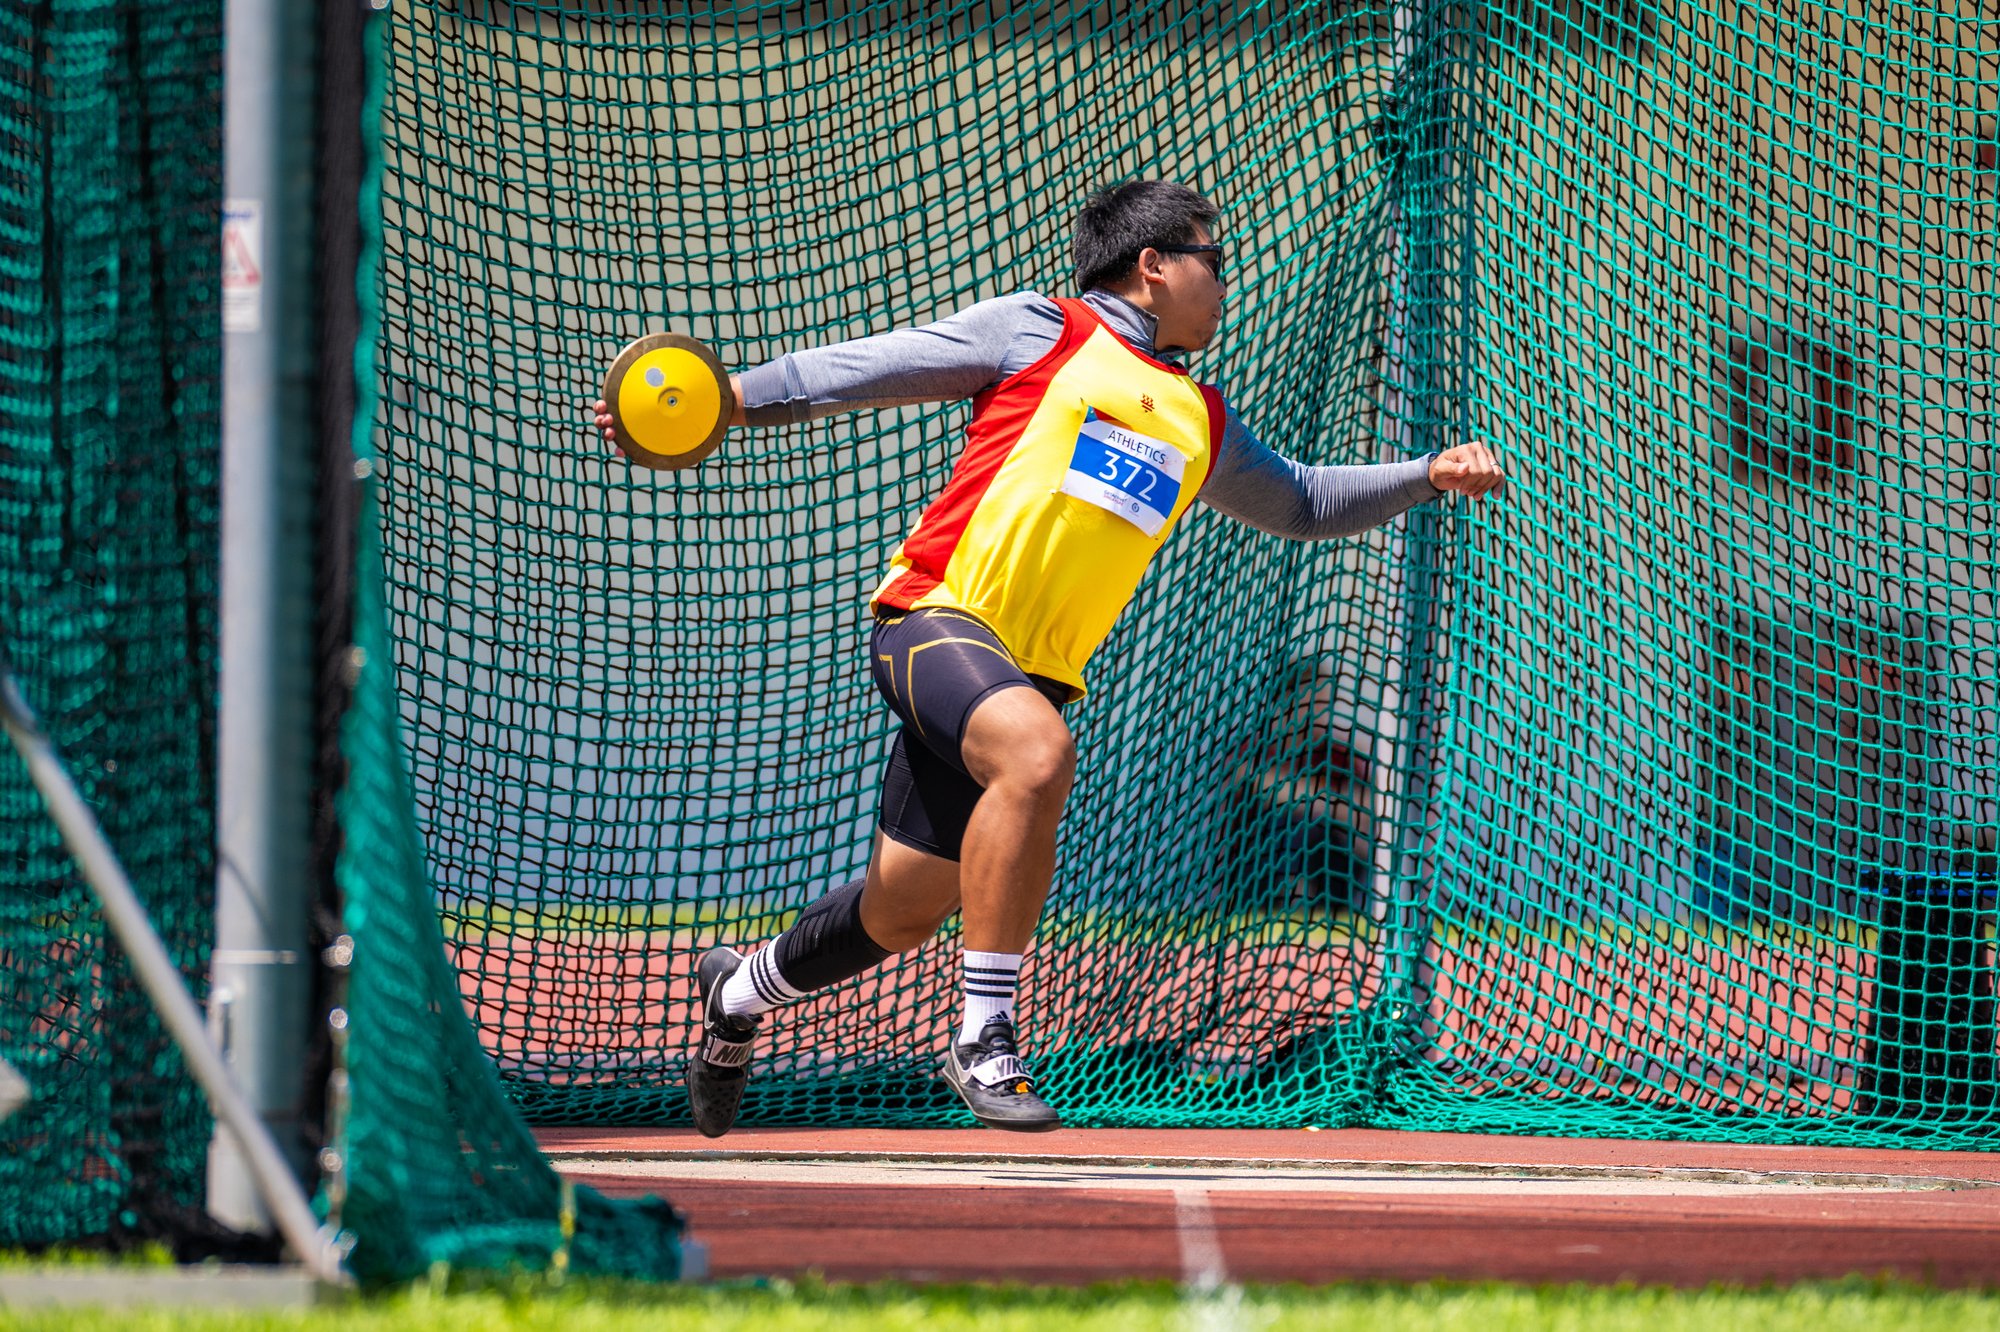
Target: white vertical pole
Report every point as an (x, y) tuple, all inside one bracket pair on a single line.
[(259, 981)]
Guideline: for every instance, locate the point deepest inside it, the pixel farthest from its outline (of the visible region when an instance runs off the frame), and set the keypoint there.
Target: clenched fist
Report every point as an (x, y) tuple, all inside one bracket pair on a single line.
[(1469, 469)]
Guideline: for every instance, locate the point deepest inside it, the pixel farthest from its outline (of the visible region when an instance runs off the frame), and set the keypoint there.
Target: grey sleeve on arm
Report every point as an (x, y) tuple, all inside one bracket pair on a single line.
[(1255, 485), (947, 361)]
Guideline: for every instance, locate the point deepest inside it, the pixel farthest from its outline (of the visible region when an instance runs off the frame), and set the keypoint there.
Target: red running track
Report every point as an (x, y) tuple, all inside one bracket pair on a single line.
[(1602, 1227)]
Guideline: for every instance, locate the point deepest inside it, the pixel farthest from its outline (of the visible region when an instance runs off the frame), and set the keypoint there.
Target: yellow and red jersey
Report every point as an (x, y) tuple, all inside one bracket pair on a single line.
[(1075, 471)]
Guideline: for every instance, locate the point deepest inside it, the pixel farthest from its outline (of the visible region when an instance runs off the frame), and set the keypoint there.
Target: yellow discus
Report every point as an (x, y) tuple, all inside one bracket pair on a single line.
[(670, 401)]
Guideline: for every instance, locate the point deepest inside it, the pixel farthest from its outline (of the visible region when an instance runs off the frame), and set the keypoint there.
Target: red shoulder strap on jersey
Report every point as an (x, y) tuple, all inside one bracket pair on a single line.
[(1077, 324), (1218, 415)]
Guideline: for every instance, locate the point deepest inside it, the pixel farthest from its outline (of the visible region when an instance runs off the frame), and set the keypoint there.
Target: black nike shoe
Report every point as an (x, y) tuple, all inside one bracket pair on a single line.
[(720, 1066), (995, 1084)]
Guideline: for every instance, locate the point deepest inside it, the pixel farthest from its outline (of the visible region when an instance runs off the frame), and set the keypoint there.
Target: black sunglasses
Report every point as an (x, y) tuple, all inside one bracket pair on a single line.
[(1213, 251)]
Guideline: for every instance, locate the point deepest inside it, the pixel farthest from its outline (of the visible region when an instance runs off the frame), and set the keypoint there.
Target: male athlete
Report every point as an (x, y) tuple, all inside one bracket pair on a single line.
[(1088, 442)]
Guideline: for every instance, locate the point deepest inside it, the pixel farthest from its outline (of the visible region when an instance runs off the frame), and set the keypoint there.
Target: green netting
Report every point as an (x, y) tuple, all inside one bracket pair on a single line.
[(110, 121), (438, 1168), (110, 189), (1716, 843), (435, 1165), (1657, 799)]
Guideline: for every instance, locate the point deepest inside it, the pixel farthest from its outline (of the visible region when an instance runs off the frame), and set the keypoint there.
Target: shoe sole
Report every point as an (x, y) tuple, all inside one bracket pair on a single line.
[(948, 1069)]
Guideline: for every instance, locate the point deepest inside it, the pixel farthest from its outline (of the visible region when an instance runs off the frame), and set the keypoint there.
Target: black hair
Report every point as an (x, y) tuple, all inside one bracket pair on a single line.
[(1121, 220)]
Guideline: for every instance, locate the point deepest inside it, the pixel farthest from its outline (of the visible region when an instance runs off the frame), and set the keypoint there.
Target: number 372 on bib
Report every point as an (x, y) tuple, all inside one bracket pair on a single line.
[(1127, 473)]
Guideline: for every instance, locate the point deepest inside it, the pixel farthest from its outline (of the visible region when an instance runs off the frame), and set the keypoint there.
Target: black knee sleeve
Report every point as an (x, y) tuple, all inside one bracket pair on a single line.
[(826, 944)]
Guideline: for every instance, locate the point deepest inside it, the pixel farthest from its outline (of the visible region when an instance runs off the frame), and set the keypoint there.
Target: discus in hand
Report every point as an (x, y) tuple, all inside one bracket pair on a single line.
[(670, 401)]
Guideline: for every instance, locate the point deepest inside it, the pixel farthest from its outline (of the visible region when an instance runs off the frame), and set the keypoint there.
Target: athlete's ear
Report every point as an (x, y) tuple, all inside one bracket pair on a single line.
[(1151, 267)]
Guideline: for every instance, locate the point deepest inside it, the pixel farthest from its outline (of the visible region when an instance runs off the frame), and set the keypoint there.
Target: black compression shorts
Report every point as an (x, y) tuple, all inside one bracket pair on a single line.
[(934, 667)]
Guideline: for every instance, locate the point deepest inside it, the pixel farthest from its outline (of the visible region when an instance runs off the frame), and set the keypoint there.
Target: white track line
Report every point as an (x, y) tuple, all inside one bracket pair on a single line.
[(1210, 1301), (1172, 1176), (1201, 1248)]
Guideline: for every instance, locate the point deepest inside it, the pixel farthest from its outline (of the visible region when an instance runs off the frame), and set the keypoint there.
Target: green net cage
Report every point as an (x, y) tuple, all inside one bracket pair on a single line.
[(110, 420), (1657, 798), (110, 175)]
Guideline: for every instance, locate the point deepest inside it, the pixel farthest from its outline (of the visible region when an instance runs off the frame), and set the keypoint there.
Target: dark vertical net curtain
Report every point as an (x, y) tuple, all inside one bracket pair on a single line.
[(110, 189)]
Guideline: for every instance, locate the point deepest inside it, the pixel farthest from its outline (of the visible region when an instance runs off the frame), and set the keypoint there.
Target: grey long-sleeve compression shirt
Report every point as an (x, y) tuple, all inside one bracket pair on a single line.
[(978, 347)]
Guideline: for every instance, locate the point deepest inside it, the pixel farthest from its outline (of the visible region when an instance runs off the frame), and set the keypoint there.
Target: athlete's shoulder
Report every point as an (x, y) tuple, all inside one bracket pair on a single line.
[(1016, 312), (1018, 328), (1022, 301), (1025, 304)]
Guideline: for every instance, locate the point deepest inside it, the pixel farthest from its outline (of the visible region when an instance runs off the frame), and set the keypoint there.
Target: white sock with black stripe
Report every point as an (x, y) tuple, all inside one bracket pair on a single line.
[(757, 987), (990, 979)]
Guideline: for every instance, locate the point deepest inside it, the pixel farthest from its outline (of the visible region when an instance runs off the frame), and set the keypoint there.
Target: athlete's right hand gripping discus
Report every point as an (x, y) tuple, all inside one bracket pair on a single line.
[(670, 401)]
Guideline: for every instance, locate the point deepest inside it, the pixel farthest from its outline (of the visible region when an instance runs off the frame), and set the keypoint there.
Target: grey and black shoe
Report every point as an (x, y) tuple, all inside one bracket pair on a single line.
[(720, 1066), (995, 1084)]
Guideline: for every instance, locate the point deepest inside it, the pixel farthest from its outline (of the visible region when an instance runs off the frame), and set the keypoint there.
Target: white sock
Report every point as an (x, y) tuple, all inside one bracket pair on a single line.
[(990, 979), (756, 987)]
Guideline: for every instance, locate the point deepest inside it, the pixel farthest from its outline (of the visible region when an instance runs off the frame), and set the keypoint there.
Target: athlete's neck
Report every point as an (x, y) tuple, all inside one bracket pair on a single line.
[(1128, 321)]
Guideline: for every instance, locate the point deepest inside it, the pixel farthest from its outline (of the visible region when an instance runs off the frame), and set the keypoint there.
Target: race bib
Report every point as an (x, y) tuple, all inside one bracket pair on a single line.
[(1129, 474)]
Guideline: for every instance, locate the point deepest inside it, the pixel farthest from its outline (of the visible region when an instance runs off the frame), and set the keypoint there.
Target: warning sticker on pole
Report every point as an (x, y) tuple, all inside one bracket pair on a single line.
[(242, 266), (13, 1090)]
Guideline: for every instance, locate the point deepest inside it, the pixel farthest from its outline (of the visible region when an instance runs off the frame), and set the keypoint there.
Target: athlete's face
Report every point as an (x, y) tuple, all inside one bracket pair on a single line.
[(1188, 296)]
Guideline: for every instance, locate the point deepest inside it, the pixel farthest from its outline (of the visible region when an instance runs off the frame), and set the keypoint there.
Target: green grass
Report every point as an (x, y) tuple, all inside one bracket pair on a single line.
[(605, 1306), (152, 1255)]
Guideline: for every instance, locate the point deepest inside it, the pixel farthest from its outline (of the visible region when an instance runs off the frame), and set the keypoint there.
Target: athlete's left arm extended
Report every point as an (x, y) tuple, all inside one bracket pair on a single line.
[(951, 359), (1254, 484), (946, 361)]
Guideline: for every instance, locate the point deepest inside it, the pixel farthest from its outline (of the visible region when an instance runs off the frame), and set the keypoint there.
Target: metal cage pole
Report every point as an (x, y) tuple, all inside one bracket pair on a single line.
[(260, 981)]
